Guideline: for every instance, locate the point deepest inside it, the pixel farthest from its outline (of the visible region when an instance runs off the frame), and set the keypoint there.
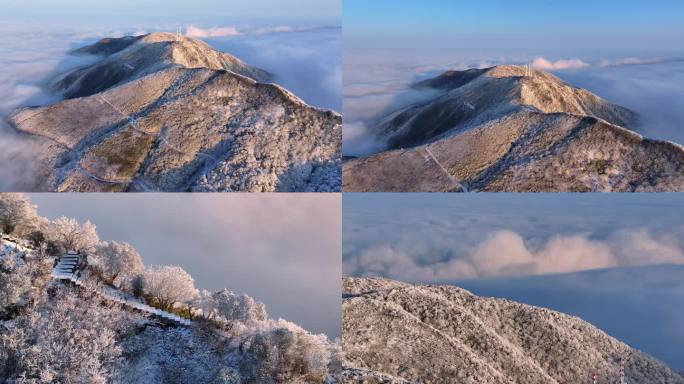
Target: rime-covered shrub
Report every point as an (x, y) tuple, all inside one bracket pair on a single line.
[(234, 307), (168, 285), (18, 216), (282, 352), (22, 283), (70, 235), (118, 263), (69, 338)]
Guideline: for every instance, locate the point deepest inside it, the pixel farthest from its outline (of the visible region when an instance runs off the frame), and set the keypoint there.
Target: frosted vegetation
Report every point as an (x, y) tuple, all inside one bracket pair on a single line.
[(402, 333), (109, 328)]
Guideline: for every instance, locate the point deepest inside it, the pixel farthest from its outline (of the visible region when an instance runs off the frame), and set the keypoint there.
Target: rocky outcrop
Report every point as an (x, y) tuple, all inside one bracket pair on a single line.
[(185, 118), (512, 129), (438, 334)]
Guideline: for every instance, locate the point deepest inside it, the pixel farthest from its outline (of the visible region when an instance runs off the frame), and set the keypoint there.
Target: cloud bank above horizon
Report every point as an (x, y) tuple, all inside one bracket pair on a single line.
[(453, 240), (505, 253)]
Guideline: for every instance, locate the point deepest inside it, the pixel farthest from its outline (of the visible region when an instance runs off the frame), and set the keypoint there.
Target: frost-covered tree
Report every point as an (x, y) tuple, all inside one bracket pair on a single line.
[(73, 236), (282, 352), (22, 282), (71, 338), (234, 307), (204, 302), (18, 215), (169, 285), (119, 262)]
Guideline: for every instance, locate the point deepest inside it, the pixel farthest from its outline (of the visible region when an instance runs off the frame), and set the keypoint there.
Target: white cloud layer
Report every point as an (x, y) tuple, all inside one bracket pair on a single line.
[(544, 64), (506, 253), (197, 32), (628, 61)]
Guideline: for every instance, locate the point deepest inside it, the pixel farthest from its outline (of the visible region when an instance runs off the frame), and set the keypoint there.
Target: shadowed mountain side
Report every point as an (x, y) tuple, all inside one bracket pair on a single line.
[(108, 45), (423, 333), (451, 79), (182, 129), (131, 57)]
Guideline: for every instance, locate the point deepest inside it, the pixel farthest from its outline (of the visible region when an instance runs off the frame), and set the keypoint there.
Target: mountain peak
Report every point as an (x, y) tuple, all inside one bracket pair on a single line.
[(477, 95), (157, 37), (511, 128), (453, 79), (131, 57), (509, 70)]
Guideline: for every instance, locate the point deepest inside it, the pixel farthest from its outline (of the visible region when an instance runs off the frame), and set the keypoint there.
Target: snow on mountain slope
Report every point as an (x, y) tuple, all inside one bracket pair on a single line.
[(425, 334), (493, 93), (509, 129), (130, 57), (200, 125)]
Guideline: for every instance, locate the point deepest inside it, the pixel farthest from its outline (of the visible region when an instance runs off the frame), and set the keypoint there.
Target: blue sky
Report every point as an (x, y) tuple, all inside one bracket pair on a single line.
[(262, 9), (657, 18)]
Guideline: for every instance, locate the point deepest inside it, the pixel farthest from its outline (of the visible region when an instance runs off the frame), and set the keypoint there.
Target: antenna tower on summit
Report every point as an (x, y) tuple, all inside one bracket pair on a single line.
[(178, 34)]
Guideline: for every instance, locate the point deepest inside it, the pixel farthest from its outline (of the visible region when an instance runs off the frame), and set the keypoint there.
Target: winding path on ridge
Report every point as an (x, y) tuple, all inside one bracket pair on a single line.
[(132, 122), (453, 179)]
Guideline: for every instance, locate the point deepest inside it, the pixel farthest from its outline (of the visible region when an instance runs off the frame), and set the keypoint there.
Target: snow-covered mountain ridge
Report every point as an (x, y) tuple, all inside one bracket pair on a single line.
[(511, 128), (425, 333)]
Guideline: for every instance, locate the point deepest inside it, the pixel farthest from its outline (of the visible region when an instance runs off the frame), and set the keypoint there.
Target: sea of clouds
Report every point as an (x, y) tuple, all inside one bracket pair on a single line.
[(304, 57), (433, 237)]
